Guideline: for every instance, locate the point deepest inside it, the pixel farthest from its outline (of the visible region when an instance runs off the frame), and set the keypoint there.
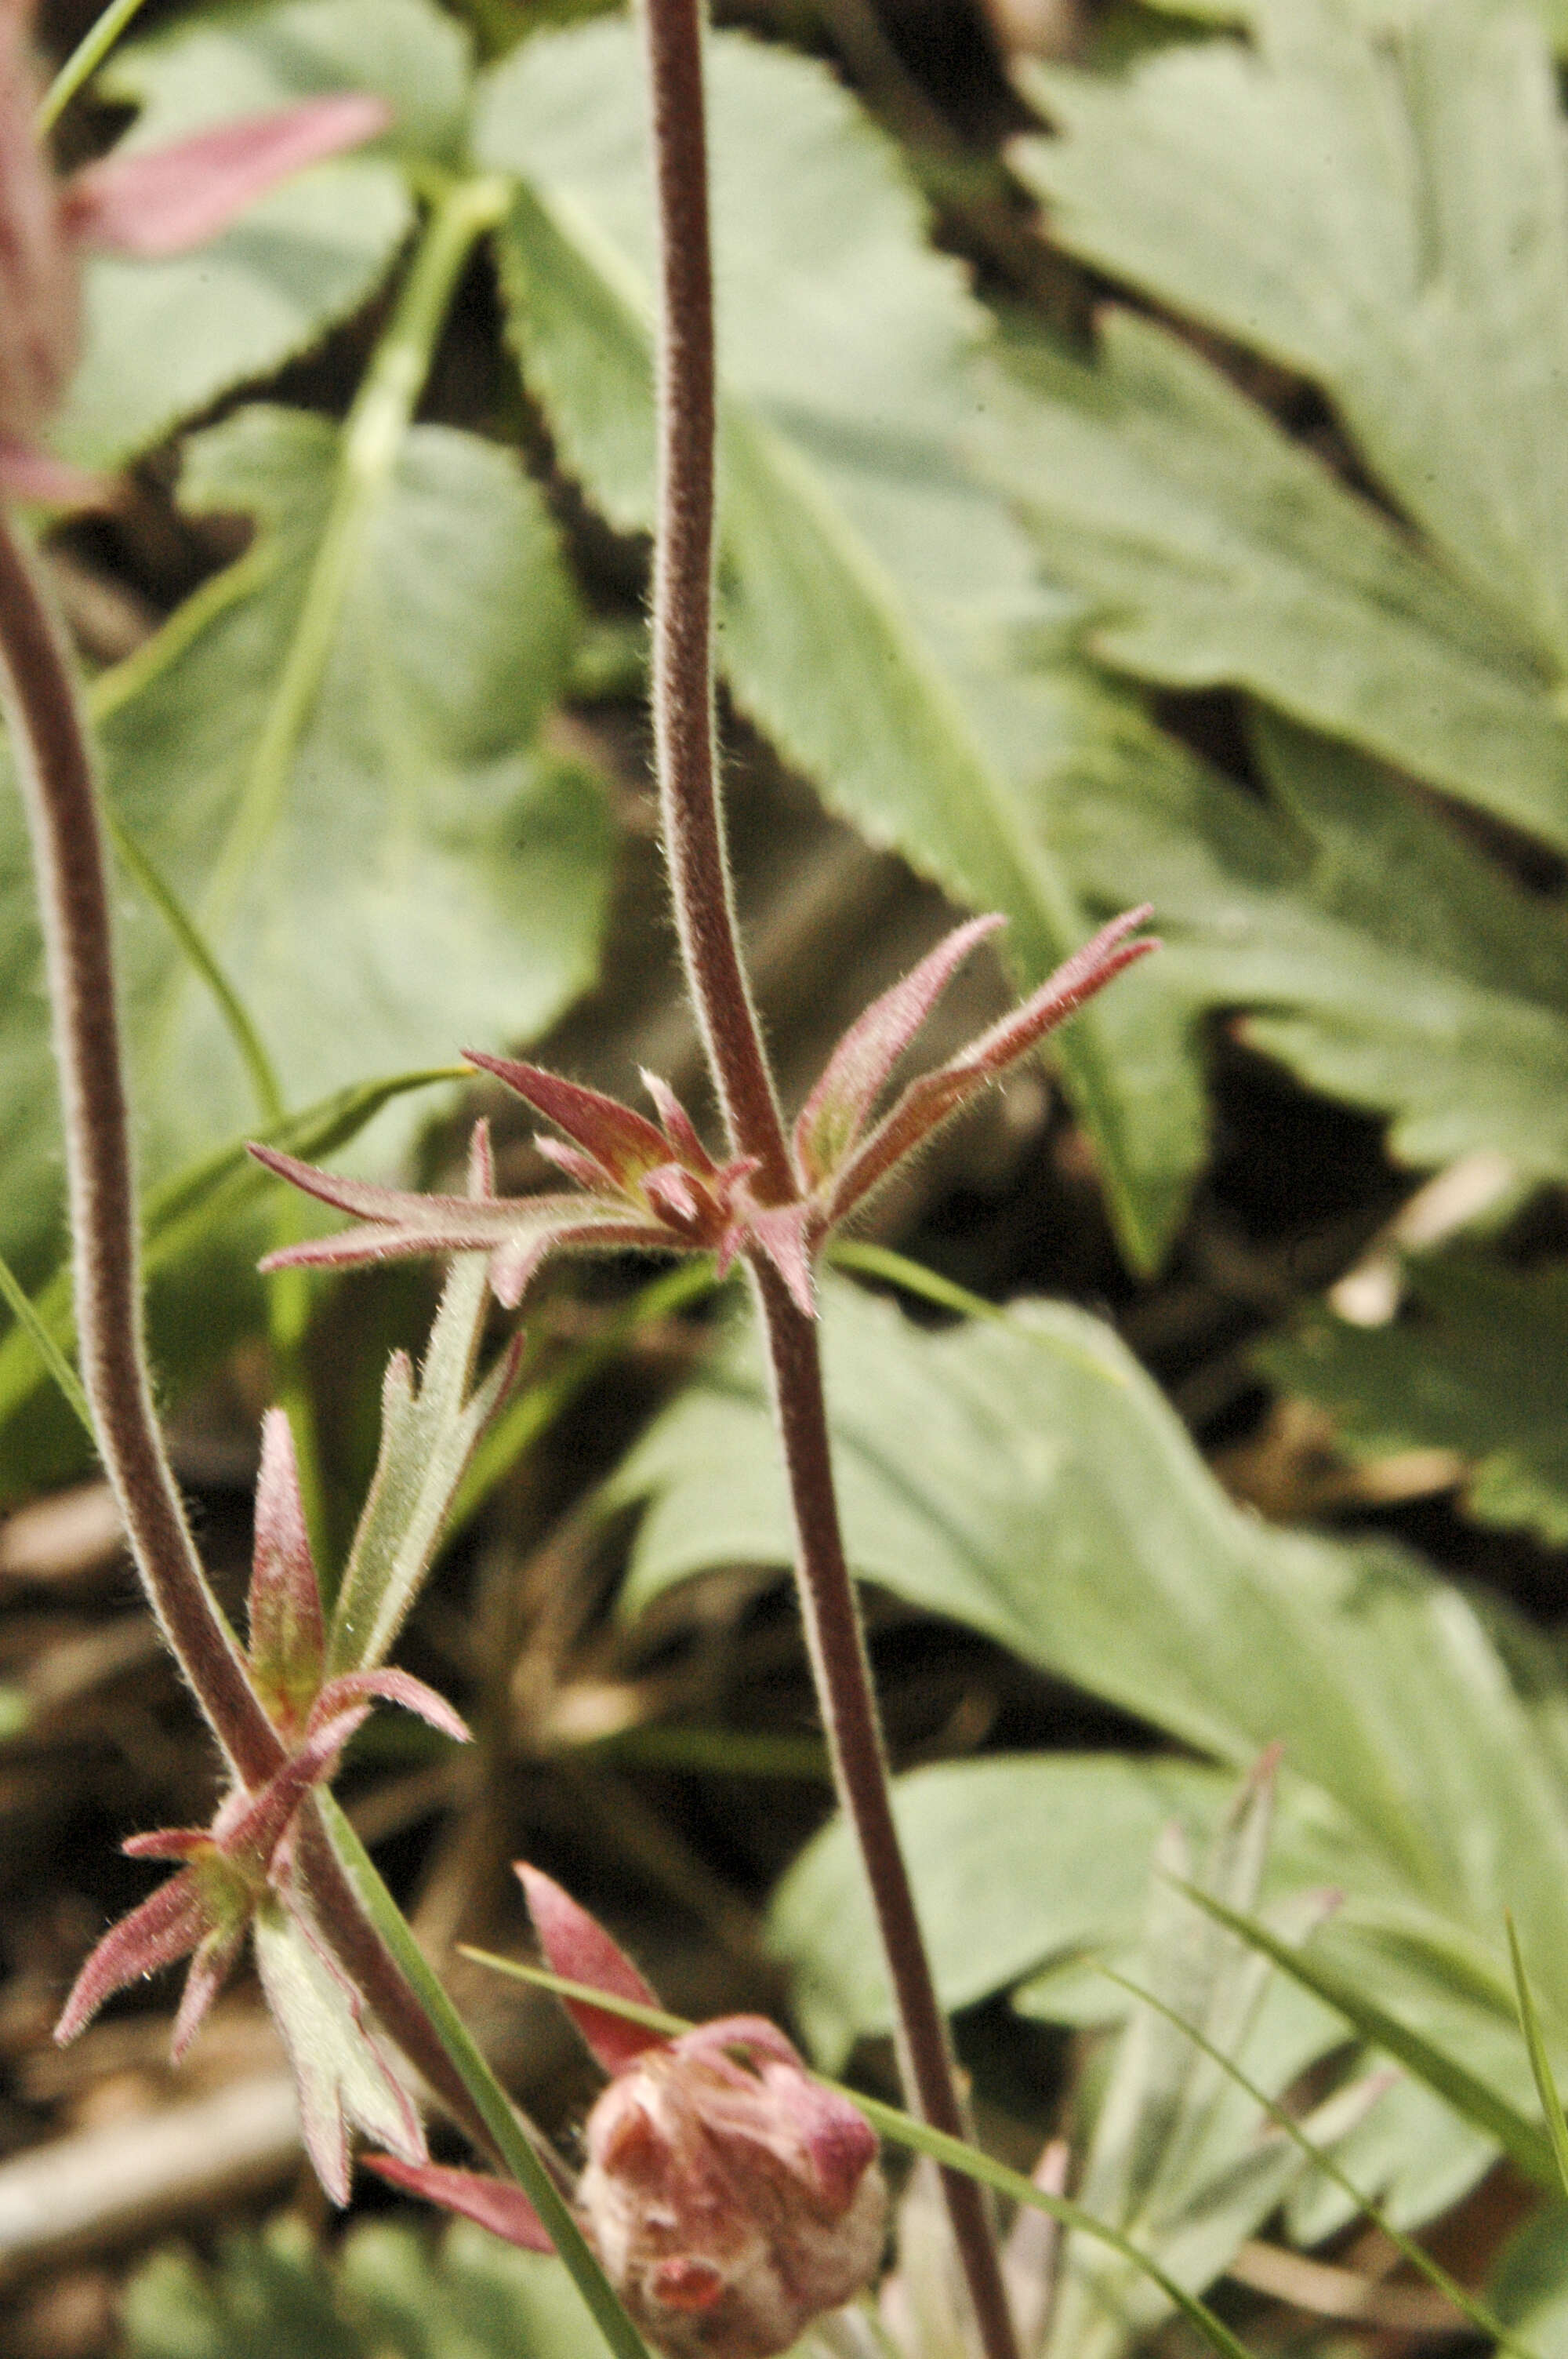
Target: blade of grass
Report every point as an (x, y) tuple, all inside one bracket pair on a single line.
[(50, 1354), (84, 59), (486, 2090), (1540, 2064), (1480, 2317), (207, 1195), (1470, 2097), (951, 2153)]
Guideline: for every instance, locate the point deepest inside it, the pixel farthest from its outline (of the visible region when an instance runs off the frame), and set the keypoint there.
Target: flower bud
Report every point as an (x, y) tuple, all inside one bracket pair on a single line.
[(37, 267), (730, 2197)]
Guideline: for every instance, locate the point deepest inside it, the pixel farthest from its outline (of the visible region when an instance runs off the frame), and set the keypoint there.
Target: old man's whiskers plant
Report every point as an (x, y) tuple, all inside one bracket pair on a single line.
[(727, 2197)]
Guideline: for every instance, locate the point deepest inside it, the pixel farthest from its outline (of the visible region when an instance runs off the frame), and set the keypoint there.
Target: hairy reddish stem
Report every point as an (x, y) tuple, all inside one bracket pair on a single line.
[(54, 769), (699, 878), (684, 735)]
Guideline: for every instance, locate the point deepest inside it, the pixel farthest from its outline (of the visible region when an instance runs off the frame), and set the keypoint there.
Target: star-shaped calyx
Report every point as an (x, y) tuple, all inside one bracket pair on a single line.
[(652, 1184), (241, 1874)]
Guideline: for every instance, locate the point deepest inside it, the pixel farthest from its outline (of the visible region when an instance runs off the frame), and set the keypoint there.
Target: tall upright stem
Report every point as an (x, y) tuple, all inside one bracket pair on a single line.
[(55, 772), (699, 878)]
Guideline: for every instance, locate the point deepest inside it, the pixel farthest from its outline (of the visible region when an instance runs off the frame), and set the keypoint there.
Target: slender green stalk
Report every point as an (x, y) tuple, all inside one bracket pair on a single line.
[(84, 60), (1539, 2062), (485, 2093), (50, 1354)]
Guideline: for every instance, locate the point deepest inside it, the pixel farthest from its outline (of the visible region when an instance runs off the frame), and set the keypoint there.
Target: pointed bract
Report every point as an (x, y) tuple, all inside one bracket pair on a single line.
[(854, 1075), (492, 2203), (217, 1955), (287, 1632), (161, 201), (165, 1929), (677, 1125), (576, 1946), (625, 1145), (782, 1232), (393, 1687)]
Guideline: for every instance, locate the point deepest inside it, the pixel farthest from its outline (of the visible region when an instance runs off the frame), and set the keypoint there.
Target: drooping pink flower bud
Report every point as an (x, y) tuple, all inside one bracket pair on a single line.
[(730, 2197)]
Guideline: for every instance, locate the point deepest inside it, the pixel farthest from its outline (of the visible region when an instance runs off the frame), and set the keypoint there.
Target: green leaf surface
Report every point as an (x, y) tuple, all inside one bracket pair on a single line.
[(1056, 1504), (1389, 216), (164, 338), (871, 590), (1383, 959), (1216, 551), (1473, 1365), (414, 873), (390, 2291)]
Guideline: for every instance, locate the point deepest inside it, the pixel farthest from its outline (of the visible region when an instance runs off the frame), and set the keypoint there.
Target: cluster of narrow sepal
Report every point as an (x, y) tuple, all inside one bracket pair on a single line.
[(146, 203), (241, 1874), (653, 1185), (730, 2197)]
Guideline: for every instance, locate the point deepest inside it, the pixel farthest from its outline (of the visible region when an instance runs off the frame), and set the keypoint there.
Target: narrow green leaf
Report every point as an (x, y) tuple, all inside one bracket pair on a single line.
[(1323, 2160), (204, 1200), (1539, 2062), (1527, 2144), (482, 2086), (85, 60), (51, 1359)]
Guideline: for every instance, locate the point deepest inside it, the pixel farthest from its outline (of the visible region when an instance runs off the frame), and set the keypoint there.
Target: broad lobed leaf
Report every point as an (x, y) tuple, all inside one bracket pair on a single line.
[(1056, 1506)]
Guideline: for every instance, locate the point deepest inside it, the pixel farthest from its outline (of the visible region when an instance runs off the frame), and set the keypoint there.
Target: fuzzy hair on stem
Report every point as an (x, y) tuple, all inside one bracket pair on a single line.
[(682, 704)]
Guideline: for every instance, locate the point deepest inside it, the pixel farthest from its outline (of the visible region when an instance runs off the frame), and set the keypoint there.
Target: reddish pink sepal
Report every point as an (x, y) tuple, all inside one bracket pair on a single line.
[(576, 1946), (492, 2203), (161, 201)]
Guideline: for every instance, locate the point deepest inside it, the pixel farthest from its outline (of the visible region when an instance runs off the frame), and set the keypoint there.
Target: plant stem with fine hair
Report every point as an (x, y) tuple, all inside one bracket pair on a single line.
[(54, 769), (699, 878)]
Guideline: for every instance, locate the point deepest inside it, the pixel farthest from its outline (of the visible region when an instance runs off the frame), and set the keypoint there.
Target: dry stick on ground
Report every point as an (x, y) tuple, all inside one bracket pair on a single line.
[(694, 849)]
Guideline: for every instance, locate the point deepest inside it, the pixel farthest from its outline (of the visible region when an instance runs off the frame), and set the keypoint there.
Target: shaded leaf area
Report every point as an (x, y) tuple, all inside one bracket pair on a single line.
[(1472, 1367), (1391, 220), (390, 2293), (164, 338), (391, 871), (1056, 1504), (1381, 957), (872, 593)]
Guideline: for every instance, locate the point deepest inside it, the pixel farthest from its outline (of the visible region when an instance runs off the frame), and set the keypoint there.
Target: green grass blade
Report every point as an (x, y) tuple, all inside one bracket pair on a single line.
[(950, 2153), (84, 59), (1471, 2098), (1539, 2063), (485, 2090), (48, 1351), (1480, 2316), (206, 1195)]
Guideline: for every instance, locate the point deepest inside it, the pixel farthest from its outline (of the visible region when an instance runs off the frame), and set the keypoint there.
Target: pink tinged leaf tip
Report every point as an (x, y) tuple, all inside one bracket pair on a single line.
[(678, 1126), (165, 1929), (40, 479), (576, 1946), (1088, 972), (492, 2203), (782, 1232), (217, 1955), (157, 202), (624, 1145), (393, 1687), (287, 1635), (482, 1164), (833, 1115)]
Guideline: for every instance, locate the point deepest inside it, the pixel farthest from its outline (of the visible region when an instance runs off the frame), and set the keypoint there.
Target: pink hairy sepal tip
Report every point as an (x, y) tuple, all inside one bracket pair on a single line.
[(578, 1948)]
